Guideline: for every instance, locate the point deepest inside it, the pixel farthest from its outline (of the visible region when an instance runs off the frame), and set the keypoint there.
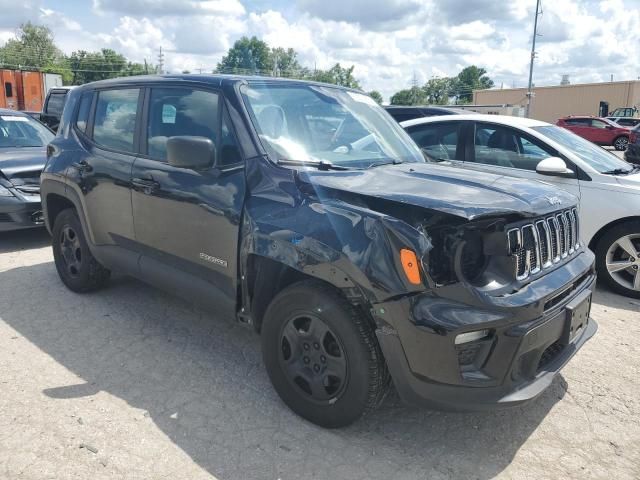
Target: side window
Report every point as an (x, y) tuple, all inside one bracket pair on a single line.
[(181, 111), (578, 122), (115, 118), (55, 105), (437, 141), (83, 111), (599, 124), (505, 147)]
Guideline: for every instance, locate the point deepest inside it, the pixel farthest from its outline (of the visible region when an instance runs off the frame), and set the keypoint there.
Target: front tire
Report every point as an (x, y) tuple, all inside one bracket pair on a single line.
[(621, 143), (322, 356), (77, 267), (618, 259)]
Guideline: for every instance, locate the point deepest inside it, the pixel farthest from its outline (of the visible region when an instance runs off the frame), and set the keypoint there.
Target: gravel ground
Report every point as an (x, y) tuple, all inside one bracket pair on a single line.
[(132, 383)]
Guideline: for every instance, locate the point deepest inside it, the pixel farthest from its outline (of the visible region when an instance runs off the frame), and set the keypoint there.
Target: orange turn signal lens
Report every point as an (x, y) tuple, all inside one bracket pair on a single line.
[(410, 266)]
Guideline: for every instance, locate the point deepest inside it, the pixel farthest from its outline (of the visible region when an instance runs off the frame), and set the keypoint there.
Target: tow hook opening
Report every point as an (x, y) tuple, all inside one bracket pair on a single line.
[(37, 217)]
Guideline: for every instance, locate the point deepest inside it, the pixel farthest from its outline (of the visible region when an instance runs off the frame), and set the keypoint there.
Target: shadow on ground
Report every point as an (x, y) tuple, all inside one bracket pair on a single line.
[(18, 240), (202, 381)]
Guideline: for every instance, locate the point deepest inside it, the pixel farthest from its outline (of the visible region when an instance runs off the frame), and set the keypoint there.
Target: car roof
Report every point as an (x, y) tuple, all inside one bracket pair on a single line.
[(424, 108), (8, 111), (213, 79), (478, 117)]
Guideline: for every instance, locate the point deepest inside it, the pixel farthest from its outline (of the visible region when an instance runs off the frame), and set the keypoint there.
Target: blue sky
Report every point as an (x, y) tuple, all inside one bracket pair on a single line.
[(389, 42)]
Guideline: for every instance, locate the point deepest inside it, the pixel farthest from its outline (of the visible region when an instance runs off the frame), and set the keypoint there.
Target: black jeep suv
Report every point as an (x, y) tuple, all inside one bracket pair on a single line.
[(304, 211)]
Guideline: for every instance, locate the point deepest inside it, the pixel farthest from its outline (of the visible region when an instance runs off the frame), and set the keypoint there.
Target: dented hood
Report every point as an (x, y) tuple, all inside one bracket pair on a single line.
[(453, 190), (18, 164)]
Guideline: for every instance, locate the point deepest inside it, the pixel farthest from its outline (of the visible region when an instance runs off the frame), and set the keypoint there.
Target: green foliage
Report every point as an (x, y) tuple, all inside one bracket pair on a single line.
[(336, 75), (441, 91), (469, 79), (438, 90), (377, 96), (250, 56), (409, 96), (285, 62), (33, 47)]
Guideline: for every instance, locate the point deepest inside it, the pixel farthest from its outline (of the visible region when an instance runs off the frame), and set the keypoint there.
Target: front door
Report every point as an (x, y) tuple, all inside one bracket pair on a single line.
[(506, 151), (184, 218)]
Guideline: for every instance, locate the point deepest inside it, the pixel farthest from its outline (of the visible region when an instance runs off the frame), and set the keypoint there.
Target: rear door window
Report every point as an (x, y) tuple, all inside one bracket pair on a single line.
[(115, 119), (439, 141)]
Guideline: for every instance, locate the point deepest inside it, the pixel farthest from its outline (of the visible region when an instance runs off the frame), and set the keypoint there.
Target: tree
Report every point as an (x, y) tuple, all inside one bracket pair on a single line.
[(248, 55), (469, 79), (336, 75), (33, 47), (92, 66), (284, 62), (377, 96), (438, 90), (409, 96)]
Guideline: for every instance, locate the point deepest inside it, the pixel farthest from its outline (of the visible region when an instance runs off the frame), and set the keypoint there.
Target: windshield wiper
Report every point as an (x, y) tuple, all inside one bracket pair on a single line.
[(319, 164), (390, 162), (618, 171)]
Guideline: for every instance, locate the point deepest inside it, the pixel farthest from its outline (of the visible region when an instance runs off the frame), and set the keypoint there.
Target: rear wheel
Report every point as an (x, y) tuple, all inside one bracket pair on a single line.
[(621, 143), (322, 355), (76, 266), (618, 259)]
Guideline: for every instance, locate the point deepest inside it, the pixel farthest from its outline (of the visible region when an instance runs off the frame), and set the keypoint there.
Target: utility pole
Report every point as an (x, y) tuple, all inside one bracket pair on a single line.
[(533, 56), (160, 62)]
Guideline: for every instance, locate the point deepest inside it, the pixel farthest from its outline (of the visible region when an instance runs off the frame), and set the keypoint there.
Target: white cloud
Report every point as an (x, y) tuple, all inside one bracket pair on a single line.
[(157, 8)]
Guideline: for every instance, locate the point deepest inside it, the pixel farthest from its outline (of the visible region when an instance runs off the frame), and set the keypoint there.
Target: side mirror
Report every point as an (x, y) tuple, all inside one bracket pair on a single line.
[(195, 153), (610, 127), (555, 167)]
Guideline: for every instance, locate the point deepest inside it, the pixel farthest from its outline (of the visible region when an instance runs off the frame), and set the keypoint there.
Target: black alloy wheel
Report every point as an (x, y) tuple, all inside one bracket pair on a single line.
[(71, 250), (313, 358)]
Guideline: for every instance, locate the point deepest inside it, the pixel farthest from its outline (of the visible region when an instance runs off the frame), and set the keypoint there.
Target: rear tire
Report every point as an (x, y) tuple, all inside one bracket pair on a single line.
[(77, 267), (322, 355), (621, 143), (618, 259)]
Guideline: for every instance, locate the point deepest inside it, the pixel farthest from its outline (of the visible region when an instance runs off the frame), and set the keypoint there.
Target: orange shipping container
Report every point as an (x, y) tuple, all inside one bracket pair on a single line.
[(30, 88), (8, 90)]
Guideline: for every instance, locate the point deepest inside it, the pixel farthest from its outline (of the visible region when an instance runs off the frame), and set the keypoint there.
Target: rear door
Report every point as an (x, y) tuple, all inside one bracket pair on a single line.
[(579, 126), (186, 219), (101, 172), (505, 150), (601, 132)]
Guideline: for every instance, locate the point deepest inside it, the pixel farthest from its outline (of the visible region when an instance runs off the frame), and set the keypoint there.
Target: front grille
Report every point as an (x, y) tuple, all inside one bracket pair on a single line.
[(540, 244)]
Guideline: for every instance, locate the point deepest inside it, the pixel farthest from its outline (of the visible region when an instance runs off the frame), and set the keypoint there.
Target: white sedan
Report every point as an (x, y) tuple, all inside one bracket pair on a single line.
[(608, 187)]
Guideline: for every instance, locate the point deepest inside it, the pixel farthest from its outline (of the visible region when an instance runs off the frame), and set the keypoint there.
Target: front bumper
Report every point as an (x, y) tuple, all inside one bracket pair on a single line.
[(20, 211), (632, 154), (526, 348)]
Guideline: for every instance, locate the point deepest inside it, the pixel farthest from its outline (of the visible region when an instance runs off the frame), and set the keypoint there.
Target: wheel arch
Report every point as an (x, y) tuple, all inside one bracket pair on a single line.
[(593, 243), (265, 277)]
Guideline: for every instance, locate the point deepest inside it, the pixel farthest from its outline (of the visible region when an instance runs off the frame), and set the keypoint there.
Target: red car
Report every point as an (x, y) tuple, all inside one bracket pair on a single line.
[(598, 130)]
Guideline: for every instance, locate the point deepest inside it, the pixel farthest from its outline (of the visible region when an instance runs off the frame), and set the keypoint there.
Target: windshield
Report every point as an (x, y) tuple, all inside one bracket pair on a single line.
[(596, 157), (23, 131), (312, 123)]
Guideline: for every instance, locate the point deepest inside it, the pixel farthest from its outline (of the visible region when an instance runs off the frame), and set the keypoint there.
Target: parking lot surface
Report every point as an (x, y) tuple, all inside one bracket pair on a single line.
[(131, 383)]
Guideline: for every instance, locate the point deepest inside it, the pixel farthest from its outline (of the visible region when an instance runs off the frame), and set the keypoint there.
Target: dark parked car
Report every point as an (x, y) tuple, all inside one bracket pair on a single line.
[(632, 155), (402, 113), (357, 261), (23, 143), (53, 106), (597, 130)]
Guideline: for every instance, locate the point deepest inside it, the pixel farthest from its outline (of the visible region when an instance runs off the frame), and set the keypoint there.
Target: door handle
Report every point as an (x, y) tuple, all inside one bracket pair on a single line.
[(147, 185)]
